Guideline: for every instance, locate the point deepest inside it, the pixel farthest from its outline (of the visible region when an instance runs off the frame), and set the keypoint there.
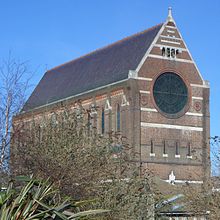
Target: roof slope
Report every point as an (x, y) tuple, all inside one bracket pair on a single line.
[(99, 68)]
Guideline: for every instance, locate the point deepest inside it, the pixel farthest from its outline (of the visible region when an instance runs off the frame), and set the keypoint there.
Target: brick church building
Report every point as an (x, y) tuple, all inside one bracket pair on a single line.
[(147, 87)]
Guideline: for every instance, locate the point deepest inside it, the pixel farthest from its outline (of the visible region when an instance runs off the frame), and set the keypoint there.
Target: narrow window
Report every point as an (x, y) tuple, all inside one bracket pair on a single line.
[(164, 147), (151, 146), (168, 52), (177, 51), (189, 149), (103, 121), (118, 118), (173, 55), (163, 51), (177, 148)]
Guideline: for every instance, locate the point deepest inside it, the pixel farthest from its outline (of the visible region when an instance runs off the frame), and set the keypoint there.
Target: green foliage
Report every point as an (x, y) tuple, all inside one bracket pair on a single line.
[(37, 200), (84, 164), (28, 202)]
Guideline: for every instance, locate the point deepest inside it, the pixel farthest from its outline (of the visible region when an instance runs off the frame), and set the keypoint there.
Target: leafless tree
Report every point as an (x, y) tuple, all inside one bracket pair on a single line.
[(62, 145), (204, 199), (215, 155), (13, 88)]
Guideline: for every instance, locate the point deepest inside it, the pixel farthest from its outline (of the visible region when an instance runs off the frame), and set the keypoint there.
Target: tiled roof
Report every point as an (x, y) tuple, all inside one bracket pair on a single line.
[(99, 68)]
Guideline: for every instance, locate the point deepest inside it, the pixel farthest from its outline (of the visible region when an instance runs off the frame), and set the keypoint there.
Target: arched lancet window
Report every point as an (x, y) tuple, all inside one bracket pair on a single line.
[(118, 118), (103, 121)]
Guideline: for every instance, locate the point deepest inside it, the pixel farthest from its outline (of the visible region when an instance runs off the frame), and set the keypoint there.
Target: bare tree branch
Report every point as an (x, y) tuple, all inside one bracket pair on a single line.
[(14, 83)]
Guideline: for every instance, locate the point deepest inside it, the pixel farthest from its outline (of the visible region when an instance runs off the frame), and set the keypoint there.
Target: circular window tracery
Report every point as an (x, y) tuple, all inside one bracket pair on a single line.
[(170, 93)]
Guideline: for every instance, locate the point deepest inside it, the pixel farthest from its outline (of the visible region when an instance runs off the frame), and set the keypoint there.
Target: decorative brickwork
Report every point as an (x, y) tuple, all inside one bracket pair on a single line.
[(163, 144)]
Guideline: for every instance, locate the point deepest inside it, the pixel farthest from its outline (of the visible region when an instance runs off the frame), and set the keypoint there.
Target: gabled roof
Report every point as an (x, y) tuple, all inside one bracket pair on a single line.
[(99, 68)]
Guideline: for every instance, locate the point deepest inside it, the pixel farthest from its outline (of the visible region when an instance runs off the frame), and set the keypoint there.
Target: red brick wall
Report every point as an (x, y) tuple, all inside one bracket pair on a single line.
[(183, 167)]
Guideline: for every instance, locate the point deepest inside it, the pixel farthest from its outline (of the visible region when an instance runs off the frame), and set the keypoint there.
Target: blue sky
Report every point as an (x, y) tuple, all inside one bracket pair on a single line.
[(50, 32)]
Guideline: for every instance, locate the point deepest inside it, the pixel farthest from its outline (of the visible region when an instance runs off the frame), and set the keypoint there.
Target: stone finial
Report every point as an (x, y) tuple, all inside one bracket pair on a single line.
[(170, 17)]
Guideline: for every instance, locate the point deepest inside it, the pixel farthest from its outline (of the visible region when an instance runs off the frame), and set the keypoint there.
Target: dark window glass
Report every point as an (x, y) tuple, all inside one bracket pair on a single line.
[(189, 149), (168, 52), (151, 147), (173, 53), (103, 121), (177, 148), (164, 147), (163, 51), (170, 93), (118, 118)]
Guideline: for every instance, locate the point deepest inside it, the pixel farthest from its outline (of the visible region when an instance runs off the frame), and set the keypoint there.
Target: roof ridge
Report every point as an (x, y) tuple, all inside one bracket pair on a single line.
[(105, 47)]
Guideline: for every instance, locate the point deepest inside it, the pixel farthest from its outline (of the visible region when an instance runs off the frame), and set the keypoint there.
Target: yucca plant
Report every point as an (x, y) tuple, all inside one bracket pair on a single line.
[(35, 201), (28, 202)]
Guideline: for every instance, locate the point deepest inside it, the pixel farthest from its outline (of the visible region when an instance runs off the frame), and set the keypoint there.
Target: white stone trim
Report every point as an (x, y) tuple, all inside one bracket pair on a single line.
[(149, 109), (132, 74), (172, 59), (197, 97), (165, 155), (107, 105), (171, 31), (191, 56), (171, 27), (93, 113), (169, 37), (177, 155), (152, 155), (124, 101), (143, 78), (194, 114), (180, 127), (144, 92), (170, 42), (124, 104), (190, 181), (199, 85), (189, 157), (155, 110), (150, 48), (185, 181)]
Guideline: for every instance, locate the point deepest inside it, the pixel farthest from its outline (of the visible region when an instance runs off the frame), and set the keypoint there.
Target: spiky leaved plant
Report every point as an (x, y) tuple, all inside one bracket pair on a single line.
[(35, 201)]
